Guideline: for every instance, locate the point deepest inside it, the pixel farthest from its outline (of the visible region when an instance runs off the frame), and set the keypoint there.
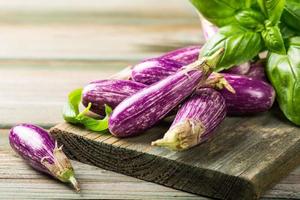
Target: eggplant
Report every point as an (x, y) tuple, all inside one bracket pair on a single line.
[(124, 74), (242, 69), (153, 70), (208, 29), (40, 151), (257, 71), (195, 121), (185, 55), (148, 106), (112, 92), (109, 92), (251, 95)]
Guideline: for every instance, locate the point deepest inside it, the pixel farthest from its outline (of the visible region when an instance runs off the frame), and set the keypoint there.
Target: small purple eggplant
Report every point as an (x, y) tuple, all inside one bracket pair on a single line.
[(195, 121), (148, 106), (124, 74), (208, 29), (251, 95), (257, 71), (153, 70), (185, 55), (109, 92), (240, 69), (39, 150)]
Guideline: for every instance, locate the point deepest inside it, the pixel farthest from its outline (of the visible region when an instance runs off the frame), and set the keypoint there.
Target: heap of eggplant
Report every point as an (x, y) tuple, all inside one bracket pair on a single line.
[(177, 83)]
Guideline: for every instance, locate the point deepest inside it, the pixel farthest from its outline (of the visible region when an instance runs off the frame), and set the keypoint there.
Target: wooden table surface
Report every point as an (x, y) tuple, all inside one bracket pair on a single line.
[(51, 47)]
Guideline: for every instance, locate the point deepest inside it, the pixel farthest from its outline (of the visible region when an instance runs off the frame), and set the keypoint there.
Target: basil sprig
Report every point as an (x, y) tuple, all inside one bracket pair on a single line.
[(240, 45), (72, 115), (252, 25)]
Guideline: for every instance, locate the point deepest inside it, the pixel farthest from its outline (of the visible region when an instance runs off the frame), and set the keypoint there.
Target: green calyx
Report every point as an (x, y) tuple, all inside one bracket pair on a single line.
[(182, 136), (60, 167)]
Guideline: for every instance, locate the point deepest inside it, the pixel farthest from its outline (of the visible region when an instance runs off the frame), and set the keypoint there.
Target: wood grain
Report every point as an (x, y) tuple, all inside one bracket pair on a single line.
[(100, 183), (241, 162)]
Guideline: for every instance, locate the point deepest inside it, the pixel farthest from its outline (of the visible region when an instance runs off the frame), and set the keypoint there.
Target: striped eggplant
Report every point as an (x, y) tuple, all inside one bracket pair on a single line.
[(242, 69), (195, 121), (110, 92), (153, 70), (251, 95), (208, 29), (40, 151), (257, 71), (148, 106), (113, 92), (124, 74), (185, 55)]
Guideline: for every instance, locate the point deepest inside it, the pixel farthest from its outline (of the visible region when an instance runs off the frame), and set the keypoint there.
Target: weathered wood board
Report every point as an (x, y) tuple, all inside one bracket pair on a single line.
[(246, 157)]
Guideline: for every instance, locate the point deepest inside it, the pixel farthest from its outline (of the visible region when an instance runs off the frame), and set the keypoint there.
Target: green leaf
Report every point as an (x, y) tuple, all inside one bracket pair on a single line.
[(284, 73), (272, 9), (286, 31), (71, 113), (291, 15), (273, 39), (220, 12), (251, 19), (71, 110), (240, 44)]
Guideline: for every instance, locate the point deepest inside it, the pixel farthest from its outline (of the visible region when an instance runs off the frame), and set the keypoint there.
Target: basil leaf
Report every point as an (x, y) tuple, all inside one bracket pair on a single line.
[(286, 31), (291, 14), (71, 110), (284, 73), (251, 19), (240, 44), (272, 9), (273, 39), (71, 113), (220, 12)]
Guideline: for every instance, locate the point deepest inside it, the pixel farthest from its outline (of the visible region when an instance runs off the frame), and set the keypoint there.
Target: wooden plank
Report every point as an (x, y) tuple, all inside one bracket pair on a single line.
[(96, 183), (241, 162)]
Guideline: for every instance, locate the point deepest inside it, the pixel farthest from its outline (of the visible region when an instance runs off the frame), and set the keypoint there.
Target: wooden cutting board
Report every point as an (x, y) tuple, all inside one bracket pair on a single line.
[(246, 157)]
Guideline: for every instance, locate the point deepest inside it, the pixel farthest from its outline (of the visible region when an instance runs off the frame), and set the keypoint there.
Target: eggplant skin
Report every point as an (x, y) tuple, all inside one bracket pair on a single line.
[(195, 121), (153, 70), (110, 92), (148, 106), (252, 95), (257, 71), (32, 143), (185, 55)]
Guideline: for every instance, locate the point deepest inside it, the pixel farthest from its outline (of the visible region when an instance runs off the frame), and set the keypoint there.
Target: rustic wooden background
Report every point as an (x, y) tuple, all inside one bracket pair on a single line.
[(48, 48)]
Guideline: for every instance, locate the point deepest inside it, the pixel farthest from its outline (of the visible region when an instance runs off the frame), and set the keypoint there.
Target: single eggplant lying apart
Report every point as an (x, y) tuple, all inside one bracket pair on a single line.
[(185, 55), (109, 92), (251, 95), (195, 121), (39, 150), (148, 106)]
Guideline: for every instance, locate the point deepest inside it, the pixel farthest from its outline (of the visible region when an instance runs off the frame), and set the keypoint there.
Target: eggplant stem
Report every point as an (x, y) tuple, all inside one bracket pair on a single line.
[(74, 183), (218, 81), (182, 136)]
